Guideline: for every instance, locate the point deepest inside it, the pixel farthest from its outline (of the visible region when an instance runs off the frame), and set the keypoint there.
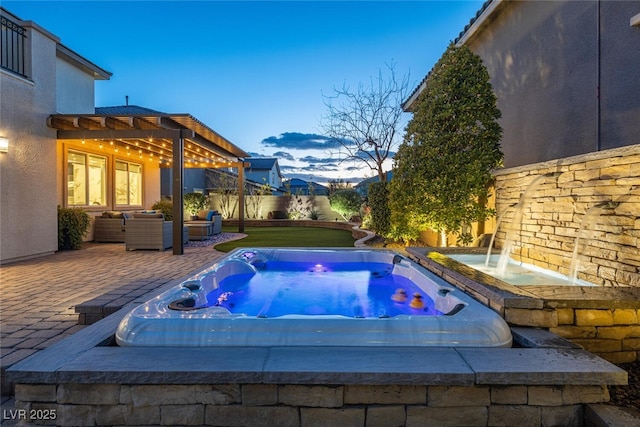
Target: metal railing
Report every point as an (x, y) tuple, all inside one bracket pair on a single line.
[(12, 46)]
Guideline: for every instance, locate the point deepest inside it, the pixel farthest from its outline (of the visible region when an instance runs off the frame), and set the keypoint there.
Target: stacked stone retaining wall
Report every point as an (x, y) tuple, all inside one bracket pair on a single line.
[(555, 207), (306, 405)]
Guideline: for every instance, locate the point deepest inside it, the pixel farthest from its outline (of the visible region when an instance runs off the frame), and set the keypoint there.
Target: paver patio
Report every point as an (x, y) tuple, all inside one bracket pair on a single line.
[(38, 296)]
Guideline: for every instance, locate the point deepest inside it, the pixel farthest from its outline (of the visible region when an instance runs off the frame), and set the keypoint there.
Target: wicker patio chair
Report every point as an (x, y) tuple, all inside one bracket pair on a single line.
[(148, 231)]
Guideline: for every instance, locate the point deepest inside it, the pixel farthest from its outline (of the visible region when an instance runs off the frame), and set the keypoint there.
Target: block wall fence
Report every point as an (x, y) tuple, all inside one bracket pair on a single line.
[(556, 206), (320, 204)]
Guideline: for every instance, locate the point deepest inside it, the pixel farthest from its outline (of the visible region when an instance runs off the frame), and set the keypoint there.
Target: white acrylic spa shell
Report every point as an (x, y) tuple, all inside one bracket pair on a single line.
[(470, 323)]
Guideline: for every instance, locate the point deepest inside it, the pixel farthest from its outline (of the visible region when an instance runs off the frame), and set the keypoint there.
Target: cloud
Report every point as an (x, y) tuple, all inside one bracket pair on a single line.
[(313, 159), (253, 154), (284, 155), (367, 154), (301, 141), (330, 167)]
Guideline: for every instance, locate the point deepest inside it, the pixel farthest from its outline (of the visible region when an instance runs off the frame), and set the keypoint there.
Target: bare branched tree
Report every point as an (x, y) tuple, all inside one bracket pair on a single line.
[(364, 124)]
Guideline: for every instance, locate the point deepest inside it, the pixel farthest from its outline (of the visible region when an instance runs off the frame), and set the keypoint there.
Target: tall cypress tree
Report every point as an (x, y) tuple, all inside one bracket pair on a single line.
[(443, 167)]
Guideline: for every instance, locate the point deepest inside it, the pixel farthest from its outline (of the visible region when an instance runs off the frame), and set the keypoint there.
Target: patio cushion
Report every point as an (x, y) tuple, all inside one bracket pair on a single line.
[(148, 215), (113, 214)]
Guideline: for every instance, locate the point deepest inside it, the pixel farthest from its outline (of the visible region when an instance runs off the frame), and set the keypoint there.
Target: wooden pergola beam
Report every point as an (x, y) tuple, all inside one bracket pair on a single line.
[(159, 128)]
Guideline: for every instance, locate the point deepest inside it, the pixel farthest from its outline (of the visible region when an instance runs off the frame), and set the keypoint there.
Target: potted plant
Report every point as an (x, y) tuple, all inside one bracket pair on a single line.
[(194, 202)]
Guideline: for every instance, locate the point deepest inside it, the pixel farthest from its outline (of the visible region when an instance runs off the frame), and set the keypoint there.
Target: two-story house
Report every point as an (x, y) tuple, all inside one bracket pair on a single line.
[(565, 74), (264, 170), (62, 151)]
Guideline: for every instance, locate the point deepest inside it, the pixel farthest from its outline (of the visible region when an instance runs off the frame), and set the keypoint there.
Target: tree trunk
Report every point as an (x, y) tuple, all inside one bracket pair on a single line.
[(443, 238), (382, 176)]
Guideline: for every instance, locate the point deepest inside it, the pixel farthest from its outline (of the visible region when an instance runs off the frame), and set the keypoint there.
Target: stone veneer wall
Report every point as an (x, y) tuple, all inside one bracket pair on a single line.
[(552, 215), (602, 320), (611, 333), (307, 405)]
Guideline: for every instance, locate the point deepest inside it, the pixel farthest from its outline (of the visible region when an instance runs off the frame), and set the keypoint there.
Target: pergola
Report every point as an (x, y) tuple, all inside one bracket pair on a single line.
[(173, 140)]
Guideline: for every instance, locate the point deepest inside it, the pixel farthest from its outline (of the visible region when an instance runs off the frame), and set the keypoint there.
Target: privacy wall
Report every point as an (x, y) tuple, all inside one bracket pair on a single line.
[(591, 201)]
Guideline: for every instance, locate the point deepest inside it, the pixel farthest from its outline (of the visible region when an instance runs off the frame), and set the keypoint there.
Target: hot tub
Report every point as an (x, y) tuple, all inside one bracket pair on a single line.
[(313, 297)]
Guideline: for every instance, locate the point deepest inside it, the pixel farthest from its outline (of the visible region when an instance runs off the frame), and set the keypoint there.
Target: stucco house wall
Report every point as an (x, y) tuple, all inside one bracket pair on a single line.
[(565, 74), (74, 89), (32, 172), (28, 216)]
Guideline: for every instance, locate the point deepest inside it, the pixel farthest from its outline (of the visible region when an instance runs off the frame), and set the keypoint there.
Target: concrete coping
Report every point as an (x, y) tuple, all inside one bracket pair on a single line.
[(89, 356)]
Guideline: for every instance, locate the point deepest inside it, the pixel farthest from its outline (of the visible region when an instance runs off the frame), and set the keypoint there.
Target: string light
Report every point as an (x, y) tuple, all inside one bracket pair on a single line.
[(194, 156)]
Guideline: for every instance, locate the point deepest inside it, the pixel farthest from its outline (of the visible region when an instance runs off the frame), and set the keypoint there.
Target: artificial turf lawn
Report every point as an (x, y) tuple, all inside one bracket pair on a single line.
[(258, 237)]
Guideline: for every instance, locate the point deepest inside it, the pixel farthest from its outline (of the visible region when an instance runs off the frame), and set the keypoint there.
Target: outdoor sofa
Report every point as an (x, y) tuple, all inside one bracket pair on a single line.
[(110, 227)]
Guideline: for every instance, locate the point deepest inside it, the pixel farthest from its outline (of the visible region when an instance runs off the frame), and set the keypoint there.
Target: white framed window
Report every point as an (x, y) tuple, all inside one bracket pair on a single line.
[(128, 183), (86, 179)]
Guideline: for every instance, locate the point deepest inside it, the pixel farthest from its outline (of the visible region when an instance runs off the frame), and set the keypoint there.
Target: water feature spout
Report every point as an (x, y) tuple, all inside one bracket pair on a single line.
[(493, 235), (589, 219), (510, 238)]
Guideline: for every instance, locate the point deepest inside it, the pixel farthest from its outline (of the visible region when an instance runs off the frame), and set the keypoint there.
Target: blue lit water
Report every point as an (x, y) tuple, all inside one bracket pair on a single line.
[(307, 288)]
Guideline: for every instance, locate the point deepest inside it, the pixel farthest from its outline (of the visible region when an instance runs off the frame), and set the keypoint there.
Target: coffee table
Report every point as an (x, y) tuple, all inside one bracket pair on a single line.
[(198, 231)]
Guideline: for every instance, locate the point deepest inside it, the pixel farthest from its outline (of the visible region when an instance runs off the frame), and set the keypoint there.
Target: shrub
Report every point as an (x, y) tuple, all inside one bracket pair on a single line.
[(194, 202), (73, 225), (166, 207), (380, 212), (299, 206), (451, 145), (346, 202)]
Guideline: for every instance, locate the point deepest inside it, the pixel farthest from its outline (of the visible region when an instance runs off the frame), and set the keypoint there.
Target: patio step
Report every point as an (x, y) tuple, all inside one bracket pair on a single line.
[(98, 308), (601, 415)]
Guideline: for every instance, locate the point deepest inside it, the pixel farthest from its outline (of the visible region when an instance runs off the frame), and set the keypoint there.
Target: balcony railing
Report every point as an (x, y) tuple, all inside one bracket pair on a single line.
[(12, 47)]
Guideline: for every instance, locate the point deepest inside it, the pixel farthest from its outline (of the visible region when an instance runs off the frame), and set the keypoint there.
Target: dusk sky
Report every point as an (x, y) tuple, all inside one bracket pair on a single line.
[(255, 72)]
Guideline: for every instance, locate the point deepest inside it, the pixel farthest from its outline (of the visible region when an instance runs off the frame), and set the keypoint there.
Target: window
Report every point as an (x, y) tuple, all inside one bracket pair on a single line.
[(128, 183), (86, 179)]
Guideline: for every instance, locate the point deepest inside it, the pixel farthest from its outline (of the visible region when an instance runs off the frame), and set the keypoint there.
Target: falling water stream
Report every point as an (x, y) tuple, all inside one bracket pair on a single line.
[(495, 231), (516, 224), (589, 220)]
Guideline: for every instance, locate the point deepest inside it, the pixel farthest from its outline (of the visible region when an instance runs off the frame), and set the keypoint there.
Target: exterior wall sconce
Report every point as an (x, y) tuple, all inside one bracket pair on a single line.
[(4, 144)]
